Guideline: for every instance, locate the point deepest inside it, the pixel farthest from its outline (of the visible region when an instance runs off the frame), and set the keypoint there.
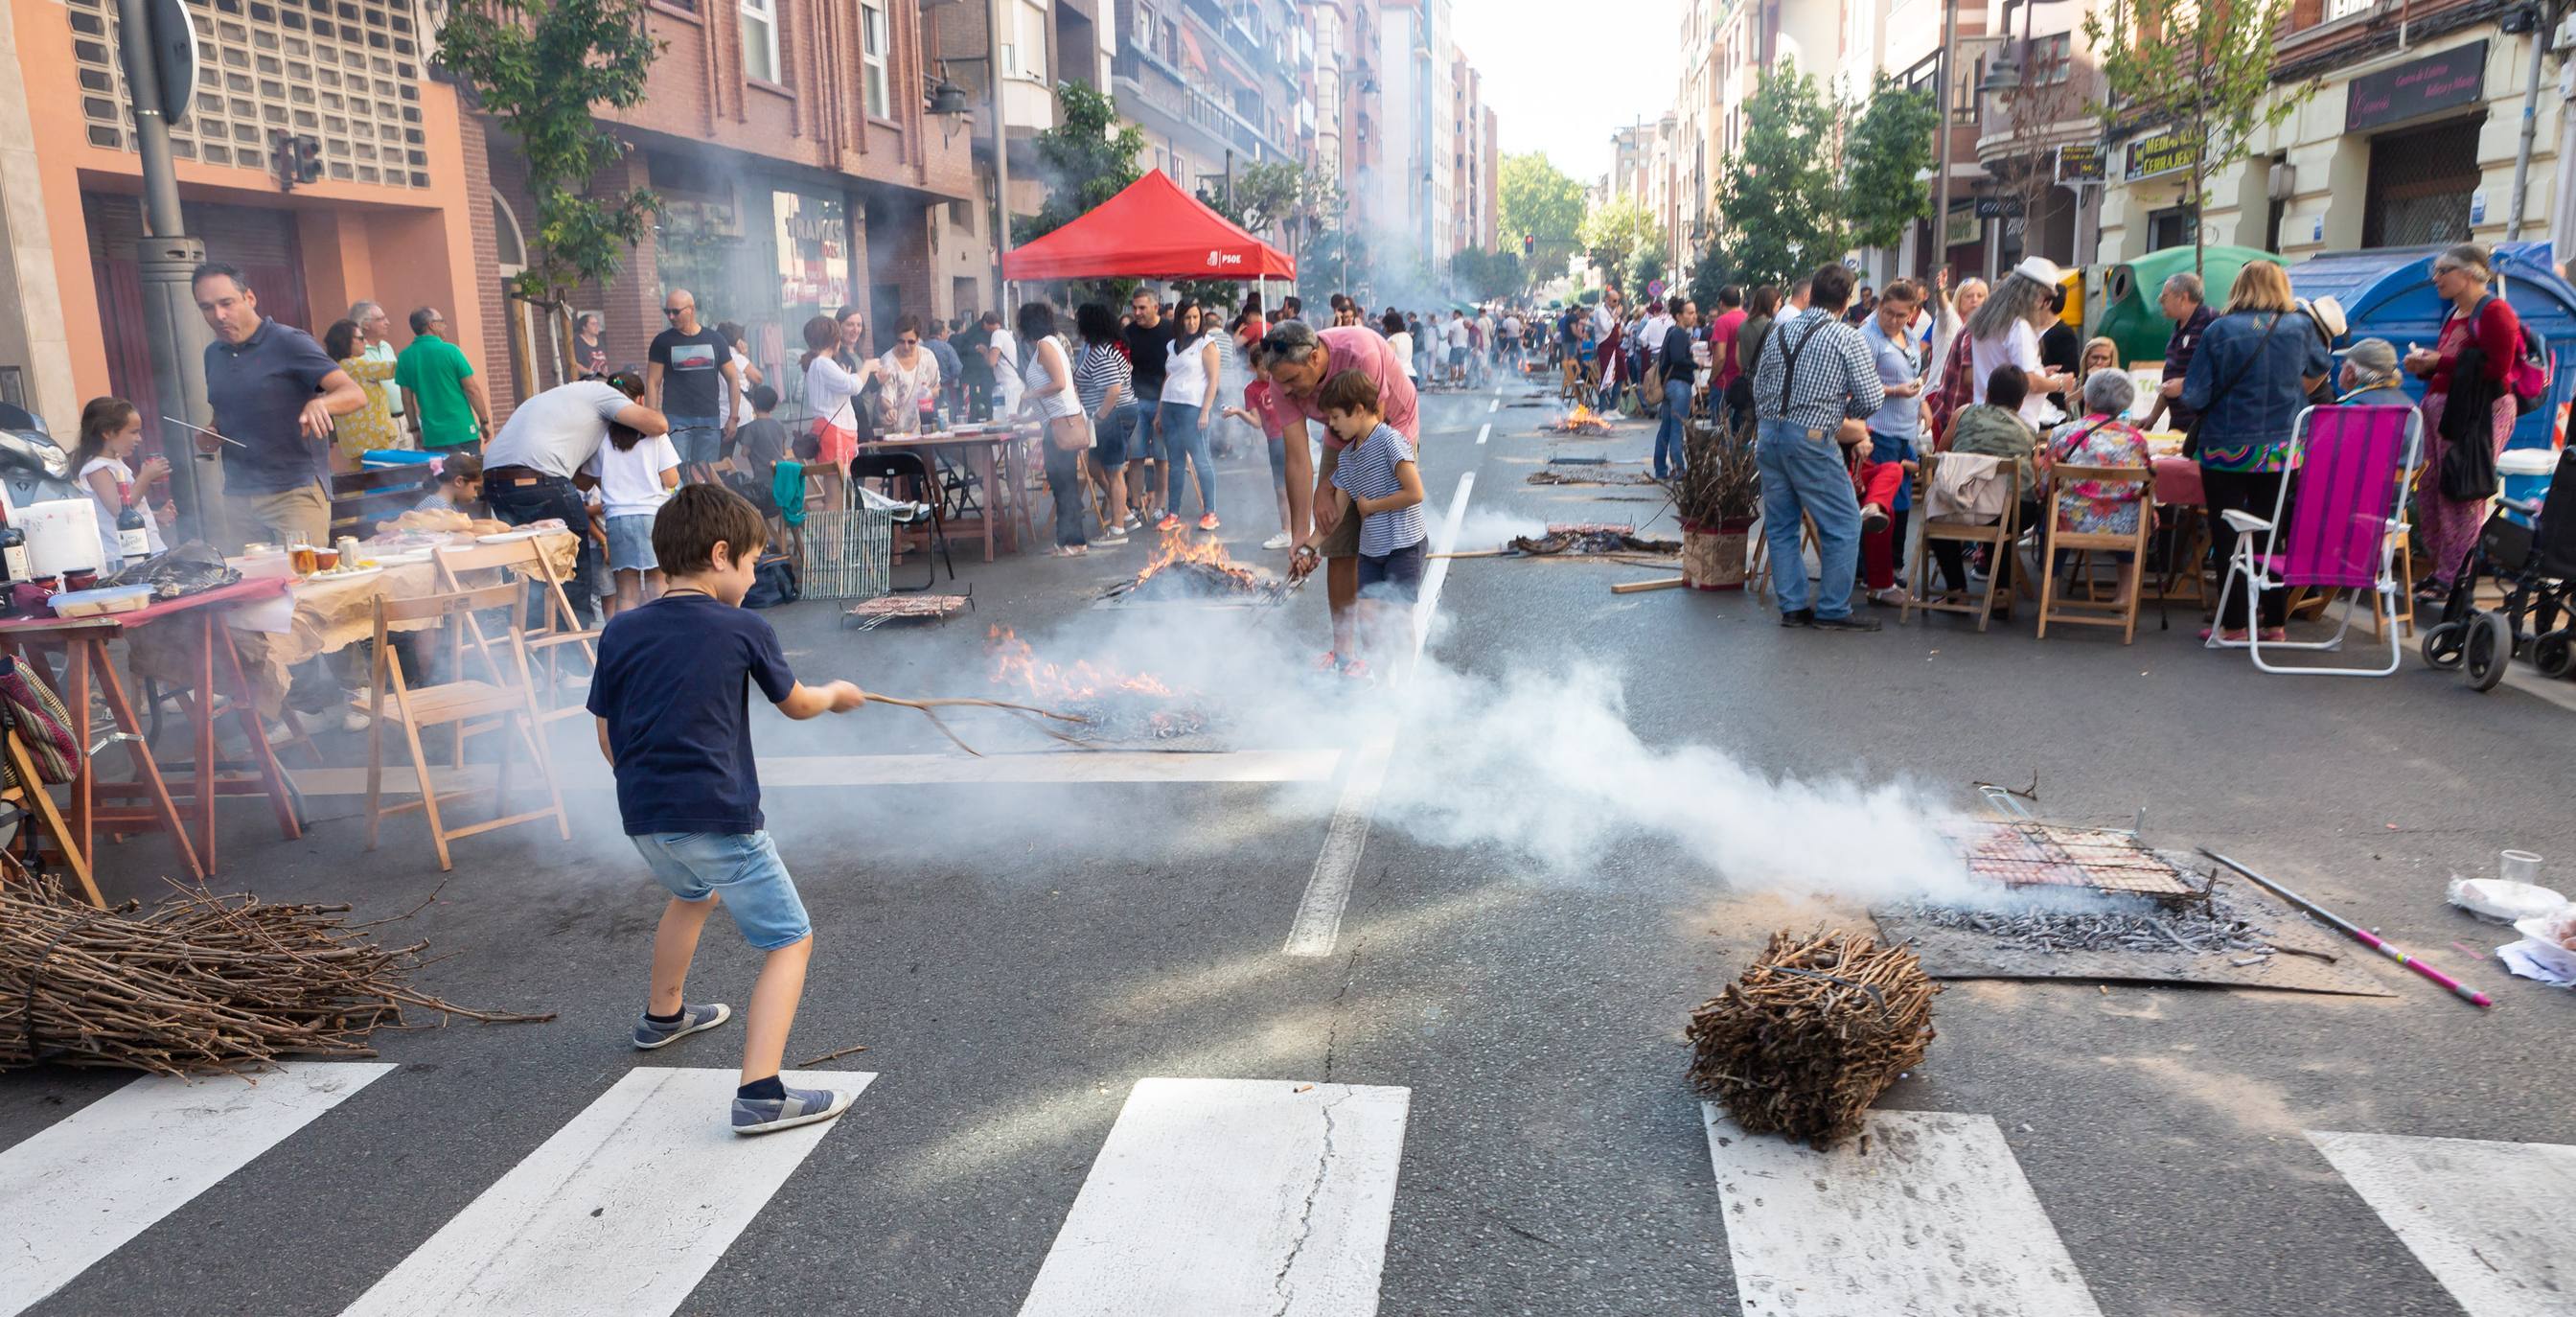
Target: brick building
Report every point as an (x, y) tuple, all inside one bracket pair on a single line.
[(798, 169)]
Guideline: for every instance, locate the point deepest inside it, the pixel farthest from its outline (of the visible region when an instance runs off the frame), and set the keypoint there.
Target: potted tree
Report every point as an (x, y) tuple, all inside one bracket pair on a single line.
[(1717, 495)]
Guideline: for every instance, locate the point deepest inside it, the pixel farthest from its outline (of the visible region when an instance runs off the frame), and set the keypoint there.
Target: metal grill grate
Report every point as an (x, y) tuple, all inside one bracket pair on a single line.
[(2045, 855)]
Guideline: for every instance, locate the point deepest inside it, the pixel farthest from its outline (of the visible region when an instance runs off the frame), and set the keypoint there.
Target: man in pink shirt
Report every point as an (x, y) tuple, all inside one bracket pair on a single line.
[(1722, 334), (1300, 359)]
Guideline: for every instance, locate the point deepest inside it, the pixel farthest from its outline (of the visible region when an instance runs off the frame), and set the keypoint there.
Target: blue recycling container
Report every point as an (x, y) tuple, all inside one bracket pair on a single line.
[(2387, 292), (393, 457)]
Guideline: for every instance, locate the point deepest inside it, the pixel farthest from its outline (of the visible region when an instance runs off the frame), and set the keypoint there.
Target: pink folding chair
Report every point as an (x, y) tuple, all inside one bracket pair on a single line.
[(2352, 468)]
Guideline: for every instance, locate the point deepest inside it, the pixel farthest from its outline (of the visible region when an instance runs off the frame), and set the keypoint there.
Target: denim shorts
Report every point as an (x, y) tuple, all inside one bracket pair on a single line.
[(630, 543), (699, 439), (1397, 575), (1110, 437), (741, 867)]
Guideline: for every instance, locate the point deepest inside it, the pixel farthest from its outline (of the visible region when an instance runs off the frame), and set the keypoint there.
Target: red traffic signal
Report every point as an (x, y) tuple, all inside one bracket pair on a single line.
[(295, 158), (1529, 244)]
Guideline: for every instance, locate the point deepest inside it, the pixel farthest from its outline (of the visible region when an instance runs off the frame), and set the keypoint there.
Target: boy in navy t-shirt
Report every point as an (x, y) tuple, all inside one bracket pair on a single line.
[(672, 698)]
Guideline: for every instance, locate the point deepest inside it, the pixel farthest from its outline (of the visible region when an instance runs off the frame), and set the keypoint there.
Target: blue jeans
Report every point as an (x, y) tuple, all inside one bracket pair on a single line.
[(741, 867), (698, 439), (1184, 443), (1064, 480), (1668, 431), (552, 496), (1802, 471)]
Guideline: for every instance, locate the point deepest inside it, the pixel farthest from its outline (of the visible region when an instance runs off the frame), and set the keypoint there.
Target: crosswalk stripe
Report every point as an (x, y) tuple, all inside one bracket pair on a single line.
[(82, 1187), (620, 1214), (1934, 1218), (2489, 1220), (1219, 1197)]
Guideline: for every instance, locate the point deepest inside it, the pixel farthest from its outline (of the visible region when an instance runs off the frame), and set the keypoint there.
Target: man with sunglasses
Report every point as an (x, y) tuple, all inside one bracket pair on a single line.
[(689, 371)]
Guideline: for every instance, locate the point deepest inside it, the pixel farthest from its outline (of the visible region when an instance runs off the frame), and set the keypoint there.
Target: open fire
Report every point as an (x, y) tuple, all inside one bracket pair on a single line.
[(1117, 706), (1196, 570), (1582, 420)]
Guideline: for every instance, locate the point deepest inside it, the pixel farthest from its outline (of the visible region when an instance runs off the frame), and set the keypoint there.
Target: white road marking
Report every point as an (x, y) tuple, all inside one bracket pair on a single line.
[(1328, 888), (1934, 1218), (1494, 406), (2489, 1220), (1232, 1198), (85, 1185), (620, 1214), (1485, 432), (915, 770)]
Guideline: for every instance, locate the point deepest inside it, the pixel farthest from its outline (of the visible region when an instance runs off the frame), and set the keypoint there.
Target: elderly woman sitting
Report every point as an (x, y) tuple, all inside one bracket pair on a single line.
[(2100, 438)]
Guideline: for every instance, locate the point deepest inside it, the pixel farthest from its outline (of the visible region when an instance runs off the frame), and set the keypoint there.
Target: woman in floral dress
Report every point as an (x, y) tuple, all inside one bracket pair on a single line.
[(2101, 438)]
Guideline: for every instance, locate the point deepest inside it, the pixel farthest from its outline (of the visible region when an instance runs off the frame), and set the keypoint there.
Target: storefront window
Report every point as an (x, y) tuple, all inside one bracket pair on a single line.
[(813, 234)]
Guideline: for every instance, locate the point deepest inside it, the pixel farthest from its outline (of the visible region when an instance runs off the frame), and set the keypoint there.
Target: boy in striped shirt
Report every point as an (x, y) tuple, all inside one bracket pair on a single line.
[(1377, 481)]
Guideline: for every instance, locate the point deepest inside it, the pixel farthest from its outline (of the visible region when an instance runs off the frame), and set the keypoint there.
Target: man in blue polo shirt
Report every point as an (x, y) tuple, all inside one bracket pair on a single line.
[(273, 391)]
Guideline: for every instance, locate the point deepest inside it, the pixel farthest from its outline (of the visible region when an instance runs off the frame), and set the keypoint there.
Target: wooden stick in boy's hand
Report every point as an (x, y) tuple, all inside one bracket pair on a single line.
[(929, 709)]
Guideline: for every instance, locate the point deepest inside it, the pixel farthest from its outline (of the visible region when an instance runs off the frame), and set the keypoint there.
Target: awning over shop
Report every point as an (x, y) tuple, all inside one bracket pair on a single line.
[(1190, 47), (1152, 230)]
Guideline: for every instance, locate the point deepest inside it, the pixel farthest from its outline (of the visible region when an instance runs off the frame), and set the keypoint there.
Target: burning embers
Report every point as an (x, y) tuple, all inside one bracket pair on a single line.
[(1582, 420), (1590, 538), (1198, 571), (1116, 706)]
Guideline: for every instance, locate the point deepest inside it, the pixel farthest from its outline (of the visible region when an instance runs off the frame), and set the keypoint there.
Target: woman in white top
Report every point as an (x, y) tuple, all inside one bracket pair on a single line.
[(636, 474), (1398, 338), (2004, 331), (110, 430), (1191, 378), (832, 399), (1046, 392), (734, 407), (911, 378)]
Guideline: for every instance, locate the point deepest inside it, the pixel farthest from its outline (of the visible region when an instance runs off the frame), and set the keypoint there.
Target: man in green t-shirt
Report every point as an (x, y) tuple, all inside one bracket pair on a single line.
[(445, 397)]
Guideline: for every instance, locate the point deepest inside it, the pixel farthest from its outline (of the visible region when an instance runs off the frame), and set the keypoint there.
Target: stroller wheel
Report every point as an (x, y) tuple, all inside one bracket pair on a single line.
[(2488, 650), (2442, 645), (2553, 653)]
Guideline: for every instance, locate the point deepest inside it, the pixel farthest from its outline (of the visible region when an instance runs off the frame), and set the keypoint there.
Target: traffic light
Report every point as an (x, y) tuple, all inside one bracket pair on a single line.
[(295, 158), (1529, 244)]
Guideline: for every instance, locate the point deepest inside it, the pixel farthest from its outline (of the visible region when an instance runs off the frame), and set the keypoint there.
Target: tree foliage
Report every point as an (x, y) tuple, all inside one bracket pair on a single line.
[(1645, 266), (1539, 200), (1891, 142), (539, 66), (1486, 275), (1613, 231), (1285, 199), (2204, 67), (1779, 202)]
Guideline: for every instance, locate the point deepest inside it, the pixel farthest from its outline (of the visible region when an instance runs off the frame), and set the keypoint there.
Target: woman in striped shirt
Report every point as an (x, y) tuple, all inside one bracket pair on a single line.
[(1105, 385)]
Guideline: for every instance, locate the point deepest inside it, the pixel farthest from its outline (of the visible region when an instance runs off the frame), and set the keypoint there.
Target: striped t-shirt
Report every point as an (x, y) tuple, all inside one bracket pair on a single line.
[(1368, 471), (1099, 367)]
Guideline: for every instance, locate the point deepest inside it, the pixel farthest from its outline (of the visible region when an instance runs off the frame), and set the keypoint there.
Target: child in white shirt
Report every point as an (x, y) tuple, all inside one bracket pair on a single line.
[(111, 429), (636, 474)]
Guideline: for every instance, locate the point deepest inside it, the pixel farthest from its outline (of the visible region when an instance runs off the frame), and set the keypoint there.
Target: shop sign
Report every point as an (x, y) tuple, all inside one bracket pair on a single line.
[(2455, 77), (2081, 162), (1998, 207), (1962, 228), (2161, 153)]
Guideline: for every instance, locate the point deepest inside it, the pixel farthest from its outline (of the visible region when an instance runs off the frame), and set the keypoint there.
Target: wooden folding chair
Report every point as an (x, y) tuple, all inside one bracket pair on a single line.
[(2001, 534), (2121, 610), (559, 627), (508, 701), (1759, 575), (25, 793)]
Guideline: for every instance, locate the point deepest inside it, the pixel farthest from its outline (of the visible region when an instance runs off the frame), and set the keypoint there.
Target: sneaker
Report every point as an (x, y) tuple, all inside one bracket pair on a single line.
[(1799, 617), (1845, 624), (1330, 662), (1169, 522), (574, 681), (1872, 516), (1892, 597), (693, 1019), (1134, 522), (1115, 535), (354, 720), (1358, 670), (1208, 522), (1277, 542), (801, 1106)]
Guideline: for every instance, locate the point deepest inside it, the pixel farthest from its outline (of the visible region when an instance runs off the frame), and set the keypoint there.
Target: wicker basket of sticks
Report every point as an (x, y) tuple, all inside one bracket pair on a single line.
[(1812, 1033)]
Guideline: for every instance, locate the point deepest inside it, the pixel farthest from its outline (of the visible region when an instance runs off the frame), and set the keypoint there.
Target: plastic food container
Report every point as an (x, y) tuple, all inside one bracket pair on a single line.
[(106, 599)]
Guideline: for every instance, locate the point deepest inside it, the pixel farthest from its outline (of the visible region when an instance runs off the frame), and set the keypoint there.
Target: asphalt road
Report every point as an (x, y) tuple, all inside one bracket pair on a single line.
[(1528, 924)]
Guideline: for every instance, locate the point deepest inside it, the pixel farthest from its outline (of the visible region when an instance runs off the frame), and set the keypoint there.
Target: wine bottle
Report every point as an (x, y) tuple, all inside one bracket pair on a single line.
[(132, 539), (13, 554)]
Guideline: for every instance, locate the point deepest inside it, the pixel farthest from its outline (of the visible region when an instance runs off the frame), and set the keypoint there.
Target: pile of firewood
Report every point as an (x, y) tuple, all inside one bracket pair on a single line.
[(1590, 538), (199, 983), (1810, 1035)]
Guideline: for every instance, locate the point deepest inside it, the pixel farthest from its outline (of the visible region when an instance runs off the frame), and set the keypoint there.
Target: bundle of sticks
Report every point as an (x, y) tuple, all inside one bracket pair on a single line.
[(200, 983), (1812, 1033)]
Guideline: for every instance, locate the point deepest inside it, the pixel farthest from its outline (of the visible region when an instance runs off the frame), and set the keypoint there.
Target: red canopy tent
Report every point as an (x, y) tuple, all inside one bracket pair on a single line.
[(1152, 230)]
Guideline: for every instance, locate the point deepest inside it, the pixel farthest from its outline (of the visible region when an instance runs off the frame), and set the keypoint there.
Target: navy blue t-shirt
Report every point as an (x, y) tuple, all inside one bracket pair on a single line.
[(258, 390), (674, 683)]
